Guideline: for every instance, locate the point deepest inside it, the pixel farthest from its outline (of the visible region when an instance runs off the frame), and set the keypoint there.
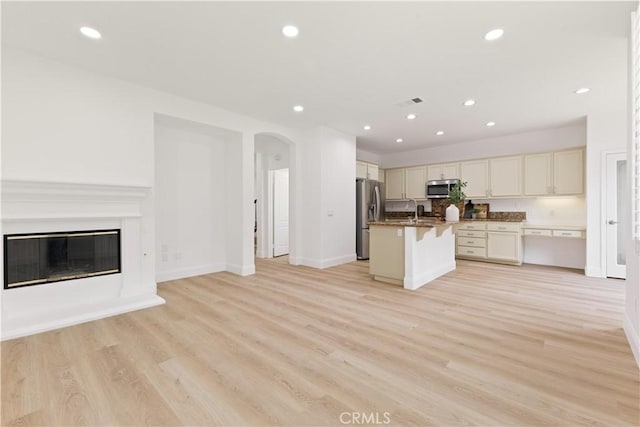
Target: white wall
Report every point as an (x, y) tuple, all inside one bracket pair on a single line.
[(88, 128), (542, 140), (338, 211), (62, 124), (632, 297), (190, 187), (367, 156), (328, 174)]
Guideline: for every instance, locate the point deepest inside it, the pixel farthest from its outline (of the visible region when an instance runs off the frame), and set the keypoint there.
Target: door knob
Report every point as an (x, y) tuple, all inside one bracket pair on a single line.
[(612, 222)]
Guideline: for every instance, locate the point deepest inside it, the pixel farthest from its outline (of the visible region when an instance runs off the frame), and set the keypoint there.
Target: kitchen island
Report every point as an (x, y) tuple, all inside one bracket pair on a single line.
[(411, 253)]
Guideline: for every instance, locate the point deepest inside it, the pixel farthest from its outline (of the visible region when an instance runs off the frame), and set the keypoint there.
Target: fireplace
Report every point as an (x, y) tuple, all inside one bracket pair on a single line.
[(39, 258)]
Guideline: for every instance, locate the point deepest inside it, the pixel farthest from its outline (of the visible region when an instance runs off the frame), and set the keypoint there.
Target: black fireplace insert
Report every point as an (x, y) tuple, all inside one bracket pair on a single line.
[(39, 258)]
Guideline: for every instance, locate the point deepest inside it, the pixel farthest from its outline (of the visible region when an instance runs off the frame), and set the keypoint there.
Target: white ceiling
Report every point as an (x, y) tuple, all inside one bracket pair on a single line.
[(353, 62)]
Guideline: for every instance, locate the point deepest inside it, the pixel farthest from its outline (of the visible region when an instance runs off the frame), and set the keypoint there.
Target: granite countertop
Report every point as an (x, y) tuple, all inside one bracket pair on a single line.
[(427, 223), (492, 220), (555, 227), (432, 221)]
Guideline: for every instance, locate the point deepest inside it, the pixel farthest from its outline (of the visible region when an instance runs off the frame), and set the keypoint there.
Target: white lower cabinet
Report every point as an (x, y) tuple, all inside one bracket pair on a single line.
[(504, 246), (490, 241)]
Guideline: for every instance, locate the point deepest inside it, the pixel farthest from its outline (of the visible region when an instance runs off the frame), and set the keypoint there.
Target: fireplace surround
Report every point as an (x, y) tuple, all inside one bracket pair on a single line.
[(47, 208), (39, 258)]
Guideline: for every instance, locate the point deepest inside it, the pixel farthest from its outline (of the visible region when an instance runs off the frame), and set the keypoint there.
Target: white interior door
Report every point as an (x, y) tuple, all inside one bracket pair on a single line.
[(280, 212), (616, 214)]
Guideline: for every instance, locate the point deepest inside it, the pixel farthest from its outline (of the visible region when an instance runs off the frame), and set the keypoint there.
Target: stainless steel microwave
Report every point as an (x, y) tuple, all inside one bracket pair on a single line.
[(440, 189)]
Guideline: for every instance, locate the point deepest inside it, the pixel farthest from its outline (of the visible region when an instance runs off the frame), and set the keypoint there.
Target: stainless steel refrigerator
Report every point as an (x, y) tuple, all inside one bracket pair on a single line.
[(369, 207)]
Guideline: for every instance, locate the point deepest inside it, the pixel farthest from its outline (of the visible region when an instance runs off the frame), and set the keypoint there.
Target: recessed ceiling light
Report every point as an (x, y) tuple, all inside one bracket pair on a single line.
[(366, 127), (494, 34), (440, 132), (92, 33), (298, 108), (469, 102), (399, 140), (489, 124), (582, 90), (411, 116), (290, 31)]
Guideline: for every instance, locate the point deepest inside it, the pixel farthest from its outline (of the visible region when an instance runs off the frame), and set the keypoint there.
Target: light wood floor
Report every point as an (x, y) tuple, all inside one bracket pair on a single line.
[(484, 345)]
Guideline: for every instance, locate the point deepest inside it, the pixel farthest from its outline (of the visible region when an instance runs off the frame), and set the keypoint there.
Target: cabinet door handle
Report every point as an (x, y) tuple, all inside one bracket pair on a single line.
[(469, 252), (502, 228)]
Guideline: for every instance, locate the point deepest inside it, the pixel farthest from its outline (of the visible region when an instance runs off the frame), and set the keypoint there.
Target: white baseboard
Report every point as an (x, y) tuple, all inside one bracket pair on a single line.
[(294, 260), (242, 270), (633, 337), (326, 263), (427, 277), (593, 271), (181, 273), (21, 327)]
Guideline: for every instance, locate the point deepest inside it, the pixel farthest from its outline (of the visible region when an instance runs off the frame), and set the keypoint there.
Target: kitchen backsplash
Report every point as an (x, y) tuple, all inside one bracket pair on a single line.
[(502, 216), (541, 210)]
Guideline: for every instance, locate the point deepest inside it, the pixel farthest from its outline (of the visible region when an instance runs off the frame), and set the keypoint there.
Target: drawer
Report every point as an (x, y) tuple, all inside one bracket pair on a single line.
[(567, 233), (535, 232), (471, 251), (504, 226), (472, 226), (470, 241), (471, 233)]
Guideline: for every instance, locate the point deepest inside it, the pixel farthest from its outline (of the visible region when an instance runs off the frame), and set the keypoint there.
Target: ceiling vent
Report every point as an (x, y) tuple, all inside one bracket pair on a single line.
[(409, 102)]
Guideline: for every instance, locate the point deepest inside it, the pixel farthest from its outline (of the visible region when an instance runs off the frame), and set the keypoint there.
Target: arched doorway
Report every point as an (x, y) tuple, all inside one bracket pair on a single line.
[(275, 195)]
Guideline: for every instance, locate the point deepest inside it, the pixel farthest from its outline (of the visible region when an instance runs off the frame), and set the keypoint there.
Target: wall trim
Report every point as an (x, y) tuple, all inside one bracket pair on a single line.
[(181, 273), (593, 271), (241, 270), (328, 262), (427, 277), (95, 312), (633, 337)]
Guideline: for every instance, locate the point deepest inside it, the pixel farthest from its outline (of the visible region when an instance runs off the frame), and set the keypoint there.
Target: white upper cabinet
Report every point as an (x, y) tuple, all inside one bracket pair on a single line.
[(443, 171), (538, 174), (476, 174), (366, 170), (505, 176), (415, 180), (394, 184), (568, 172), (372, 171), (558, 173)]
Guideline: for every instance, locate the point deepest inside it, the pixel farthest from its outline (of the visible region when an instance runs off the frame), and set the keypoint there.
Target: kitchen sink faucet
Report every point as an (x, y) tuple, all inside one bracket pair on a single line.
[(415, 202)]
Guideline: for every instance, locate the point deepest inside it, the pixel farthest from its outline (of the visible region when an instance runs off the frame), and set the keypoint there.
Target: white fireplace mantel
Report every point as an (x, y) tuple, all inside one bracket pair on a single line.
[(26, 200), (30, 206)]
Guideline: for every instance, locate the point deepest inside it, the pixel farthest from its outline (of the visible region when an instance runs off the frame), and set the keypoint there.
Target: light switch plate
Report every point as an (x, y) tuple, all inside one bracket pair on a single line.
[(399, 231)]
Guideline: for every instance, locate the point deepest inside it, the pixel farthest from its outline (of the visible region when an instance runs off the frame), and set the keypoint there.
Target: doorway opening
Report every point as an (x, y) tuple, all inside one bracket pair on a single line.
[(273, 197)]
